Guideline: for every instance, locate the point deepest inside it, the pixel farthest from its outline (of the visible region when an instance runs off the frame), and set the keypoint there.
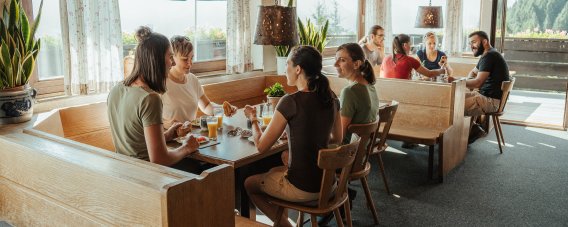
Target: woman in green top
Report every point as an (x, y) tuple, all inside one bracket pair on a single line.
[(135, 106), (359, 100)]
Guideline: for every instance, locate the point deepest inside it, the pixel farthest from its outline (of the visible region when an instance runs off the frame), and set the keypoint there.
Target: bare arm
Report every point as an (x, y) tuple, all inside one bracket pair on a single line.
[(337, 130), (429, 73), (473, 73), (449, 70), (477, 81), (159, 153), (345, 122), (205, 105)]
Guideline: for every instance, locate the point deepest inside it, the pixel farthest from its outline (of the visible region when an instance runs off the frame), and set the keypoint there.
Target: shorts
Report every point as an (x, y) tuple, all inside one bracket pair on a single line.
[(275, 184)]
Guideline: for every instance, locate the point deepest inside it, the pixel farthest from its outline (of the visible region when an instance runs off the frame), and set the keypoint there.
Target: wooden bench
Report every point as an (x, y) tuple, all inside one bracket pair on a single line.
[(429, 113), (60, 173)]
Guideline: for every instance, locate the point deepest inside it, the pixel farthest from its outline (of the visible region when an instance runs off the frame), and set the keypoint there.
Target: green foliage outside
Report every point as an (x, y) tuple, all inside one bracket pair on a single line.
[(18, 46), (206, 34), (538, 19), (276, 90), (128, 38)]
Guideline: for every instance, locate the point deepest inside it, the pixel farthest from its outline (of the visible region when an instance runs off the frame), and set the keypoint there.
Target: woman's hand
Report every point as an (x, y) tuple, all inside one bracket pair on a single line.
[(190, 145), (171, 133), (250, 111)]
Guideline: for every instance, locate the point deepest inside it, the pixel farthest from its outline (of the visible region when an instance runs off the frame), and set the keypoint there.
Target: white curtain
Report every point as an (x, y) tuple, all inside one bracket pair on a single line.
[(378, 12), (92, 41), (453, 34), (239, 58)]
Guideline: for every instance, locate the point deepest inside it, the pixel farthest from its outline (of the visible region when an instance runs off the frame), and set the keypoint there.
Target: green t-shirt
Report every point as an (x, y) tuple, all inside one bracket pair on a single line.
[(130, 109), (360, 103)]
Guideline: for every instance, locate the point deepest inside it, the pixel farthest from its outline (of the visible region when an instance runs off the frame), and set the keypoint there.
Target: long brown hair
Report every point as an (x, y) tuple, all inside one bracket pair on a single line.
[(149, 63), (310, 60), (397, 45), (356, 53)]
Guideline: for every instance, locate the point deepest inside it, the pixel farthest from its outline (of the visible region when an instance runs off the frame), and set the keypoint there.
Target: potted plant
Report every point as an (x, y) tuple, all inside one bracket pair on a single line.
[(274, 93), (310, 35), (18, 53), (282, 53)]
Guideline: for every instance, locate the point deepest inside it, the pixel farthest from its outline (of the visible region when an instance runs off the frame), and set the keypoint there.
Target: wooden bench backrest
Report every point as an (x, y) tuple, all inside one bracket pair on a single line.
[(86, 124), (49, 183), (237, 92)]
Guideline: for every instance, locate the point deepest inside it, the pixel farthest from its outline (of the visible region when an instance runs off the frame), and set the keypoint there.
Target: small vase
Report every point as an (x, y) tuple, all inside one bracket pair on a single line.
[(273, 101), (16, 104), (281, 65)]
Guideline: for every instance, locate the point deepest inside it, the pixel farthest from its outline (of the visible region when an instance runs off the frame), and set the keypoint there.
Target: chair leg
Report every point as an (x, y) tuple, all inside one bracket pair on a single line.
[(300, 220), (338, 217), (383, 173), (369, 199), (279, 216), (314, 220), (430, 161), (496, 123), (500, 129), (346, 207)]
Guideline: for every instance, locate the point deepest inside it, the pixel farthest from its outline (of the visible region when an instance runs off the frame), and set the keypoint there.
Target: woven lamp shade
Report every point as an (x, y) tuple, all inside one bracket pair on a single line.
[(429, 17), (276, 26)]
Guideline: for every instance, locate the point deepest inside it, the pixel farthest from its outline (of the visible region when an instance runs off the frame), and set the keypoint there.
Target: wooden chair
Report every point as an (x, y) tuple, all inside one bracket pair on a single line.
[(329, 160), (361, 166), (386, 116), (506, 87)]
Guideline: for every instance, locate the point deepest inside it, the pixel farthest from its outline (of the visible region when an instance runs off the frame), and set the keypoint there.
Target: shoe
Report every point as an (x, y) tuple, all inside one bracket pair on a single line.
[(324, 220), (475, 133), (408, 145)]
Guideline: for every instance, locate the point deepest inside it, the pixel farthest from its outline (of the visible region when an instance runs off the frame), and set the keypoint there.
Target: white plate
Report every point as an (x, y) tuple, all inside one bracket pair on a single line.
[(204, 140)]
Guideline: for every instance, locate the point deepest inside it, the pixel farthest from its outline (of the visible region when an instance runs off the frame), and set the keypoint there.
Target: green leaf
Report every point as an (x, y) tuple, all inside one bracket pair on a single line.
[(27, 68), (25, 29), (14, 15), (36, 24), (290, 3)]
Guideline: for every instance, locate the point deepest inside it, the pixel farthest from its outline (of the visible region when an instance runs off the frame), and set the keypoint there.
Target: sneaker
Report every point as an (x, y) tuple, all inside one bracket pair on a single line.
[(475, 133)]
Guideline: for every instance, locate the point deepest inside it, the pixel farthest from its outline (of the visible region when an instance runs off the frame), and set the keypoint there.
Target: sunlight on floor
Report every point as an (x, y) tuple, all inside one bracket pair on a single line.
[(555, 133), (526, 145), (394, 150), (546, 145), (506, 144)]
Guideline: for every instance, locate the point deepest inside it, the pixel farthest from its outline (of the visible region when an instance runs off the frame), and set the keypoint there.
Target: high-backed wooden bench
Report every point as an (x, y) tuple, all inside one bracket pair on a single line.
[(429, 113), (60, 173)]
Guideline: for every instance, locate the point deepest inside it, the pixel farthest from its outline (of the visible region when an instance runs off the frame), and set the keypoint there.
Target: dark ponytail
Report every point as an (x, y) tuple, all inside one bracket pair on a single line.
[(356, 53), (397, 45), (310, 60)]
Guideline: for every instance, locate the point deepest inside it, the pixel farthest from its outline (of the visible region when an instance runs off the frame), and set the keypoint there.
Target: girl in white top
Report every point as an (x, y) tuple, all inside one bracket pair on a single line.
[(184, 92)]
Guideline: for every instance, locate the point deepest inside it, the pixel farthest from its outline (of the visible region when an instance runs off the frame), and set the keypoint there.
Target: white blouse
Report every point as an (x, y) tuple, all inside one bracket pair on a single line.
[(181, 100)]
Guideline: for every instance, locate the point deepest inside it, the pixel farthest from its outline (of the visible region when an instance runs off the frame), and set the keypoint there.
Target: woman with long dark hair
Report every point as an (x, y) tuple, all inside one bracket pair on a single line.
[(359, 100), (309, 117), (399, 65), (135, 106)]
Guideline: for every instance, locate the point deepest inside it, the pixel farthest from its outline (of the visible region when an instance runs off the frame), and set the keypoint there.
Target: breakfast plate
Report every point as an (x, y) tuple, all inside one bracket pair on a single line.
[(200, 139)]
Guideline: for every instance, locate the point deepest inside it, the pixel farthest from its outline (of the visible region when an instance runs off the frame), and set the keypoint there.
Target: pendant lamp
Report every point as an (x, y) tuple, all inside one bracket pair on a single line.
[(276, 25), (429, 17)]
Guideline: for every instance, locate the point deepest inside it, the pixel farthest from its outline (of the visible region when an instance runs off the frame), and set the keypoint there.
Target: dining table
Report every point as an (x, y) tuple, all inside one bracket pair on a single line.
[(236, 151)]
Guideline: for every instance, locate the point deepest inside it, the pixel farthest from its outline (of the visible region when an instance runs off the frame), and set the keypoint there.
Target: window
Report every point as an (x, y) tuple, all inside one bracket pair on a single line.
[(203, 21), (471, 17), (546, 19), (403, 14), (342, 17), (50, 58)]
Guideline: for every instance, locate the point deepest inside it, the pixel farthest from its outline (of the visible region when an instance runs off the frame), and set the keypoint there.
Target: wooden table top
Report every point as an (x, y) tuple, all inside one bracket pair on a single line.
[(232, 150)]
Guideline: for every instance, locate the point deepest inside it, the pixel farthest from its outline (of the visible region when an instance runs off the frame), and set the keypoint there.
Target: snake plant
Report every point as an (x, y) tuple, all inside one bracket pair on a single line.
[(310, 35), (18, 47)]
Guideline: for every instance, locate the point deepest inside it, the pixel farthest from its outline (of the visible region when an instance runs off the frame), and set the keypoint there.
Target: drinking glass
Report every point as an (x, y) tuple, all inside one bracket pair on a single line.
[(212, 124), (218, 112), (268, 112)]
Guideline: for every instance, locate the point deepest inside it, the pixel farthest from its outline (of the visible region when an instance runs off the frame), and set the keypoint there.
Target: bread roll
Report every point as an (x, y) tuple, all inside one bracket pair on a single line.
[(184, 129)]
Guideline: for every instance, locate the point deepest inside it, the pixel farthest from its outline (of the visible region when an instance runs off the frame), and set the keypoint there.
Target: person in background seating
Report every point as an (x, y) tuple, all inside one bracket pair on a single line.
[(399, 65), (431, 57), (184, 92), (135, 106), (487, 76), (373, 45), (309, 117)]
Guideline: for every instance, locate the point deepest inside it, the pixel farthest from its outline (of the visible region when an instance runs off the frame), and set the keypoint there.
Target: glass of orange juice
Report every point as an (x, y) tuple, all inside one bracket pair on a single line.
[(212, 126), (218, 112), (268, 112)]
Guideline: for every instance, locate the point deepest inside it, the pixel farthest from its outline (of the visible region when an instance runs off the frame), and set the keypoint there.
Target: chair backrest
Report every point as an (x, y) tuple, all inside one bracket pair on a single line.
[(367, 133), (506, 87), (329, 161), (386, 117)]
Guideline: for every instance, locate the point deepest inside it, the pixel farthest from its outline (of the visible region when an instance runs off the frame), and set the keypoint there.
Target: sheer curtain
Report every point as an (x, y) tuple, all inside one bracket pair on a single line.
[(377, 12), (453, 29), (239, 58), (92, 41)]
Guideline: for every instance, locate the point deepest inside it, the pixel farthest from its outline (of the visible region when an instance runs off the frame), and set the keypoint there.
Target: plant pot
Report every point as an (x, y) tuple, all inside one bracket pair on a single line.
[(281, 65), (273, 101), (16, 104)]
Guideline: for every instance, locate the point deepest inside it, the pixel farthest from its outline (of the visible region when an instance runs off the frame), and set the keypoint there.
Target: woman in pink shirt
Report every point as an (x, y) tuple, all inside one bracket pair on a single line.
[(399, 65)]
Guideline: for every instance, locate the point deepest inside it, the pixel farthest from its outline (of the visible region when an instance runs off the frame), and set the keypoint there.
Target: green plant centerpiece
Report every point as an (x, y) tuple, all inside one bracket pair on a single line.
[(18, 53), (274, 93)]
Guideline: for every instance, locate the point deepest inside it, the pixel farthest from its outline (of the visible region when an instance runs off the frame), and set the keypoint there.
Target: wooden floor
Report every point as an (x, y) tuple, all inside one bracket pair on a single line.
[(535, 109)]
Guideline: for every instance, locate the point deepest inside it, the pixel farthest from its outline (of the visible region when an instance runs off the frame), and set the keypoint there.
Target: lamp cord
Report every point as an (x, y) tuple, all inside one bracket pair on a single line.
[(430, 4)]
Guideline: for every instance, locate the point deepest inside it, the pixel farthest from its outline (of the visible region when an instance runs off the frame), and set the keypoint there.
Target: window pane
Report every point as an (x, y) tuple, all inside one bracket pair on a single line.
[(403, 14), (471, 12), (546, 19), (205, 22), (342, 17), (50, 57)]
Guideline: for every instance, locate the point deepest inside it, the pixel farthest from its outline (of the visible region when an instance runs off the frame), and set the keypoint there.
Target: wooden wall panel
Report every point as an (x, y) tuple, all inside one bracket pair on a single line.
[(84, 119)]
